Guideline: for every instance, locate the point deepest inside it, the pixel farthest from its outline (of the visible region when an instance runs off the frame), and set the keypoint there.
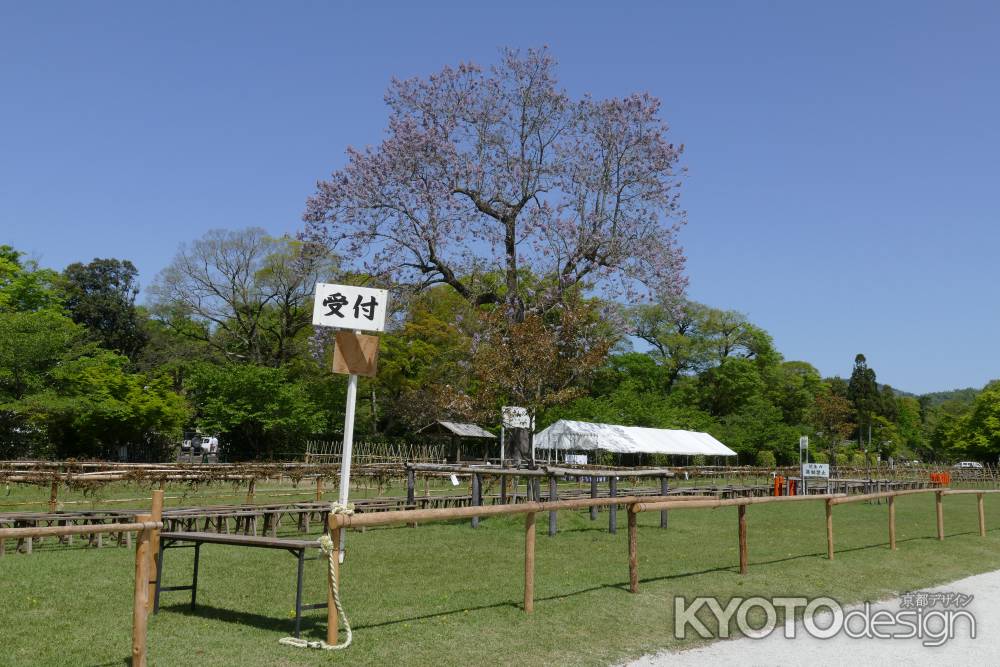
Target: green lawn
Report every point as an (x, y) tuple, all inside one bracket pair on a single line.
[(450, 595)]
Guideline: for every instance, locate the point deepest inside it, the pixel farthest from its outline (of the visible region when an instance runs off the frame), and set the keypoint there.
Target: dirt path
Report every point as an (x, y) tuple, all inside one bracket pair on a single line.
[(841, 649)]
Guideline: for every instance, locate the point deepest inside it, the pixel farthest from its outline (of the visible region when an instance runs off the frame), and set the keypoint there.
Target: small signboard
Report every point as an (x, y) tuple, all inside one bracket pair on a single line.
[(816, 470), (803, 443), (355, 354), (515, 417), (350, 307)]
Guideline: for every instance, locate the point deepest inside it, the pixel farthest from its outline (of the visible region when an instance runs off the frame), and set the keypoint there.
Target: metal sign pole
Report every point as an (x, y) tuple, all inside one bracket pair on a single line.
[(345, 454)]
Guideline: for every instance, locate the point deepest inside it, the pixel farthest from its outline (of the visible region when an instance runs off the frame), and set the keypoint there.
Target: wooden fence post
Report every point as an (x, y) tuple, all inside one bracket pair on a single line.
[(613, 509), (664, 490), (593, 494), (332, 621), (633, 558), (553, 496), (139, 602), (319, 489), (477, 497), (940, 514), (982, 515), (154, 547), (54, 495), (892, 523), (250, 491), (743, 537), (529, 562), (829, 528), (411, 491)]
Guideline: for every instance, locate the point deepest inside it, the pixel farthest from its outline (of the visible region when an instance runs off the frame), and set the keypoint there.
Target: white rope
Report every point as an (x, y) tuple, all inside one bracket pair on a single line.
[(326, 544)]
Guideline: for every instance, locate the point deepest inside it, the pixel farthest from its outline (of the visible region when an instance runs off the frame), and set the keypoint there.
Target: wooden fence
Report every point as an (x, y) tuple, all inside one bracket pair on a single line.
[(636, 505)]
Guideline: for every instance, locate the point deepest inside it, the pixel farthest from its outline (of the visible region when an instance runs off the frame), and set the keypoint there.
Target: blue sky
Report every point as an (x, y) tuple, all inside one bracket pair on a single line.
[(843, 178)]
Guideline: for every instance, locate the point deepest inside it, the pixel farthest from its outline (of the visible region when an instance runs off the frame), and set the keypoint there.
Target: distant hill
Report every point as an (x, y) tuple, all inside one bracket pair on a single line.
[(967, 395), (934, 398)]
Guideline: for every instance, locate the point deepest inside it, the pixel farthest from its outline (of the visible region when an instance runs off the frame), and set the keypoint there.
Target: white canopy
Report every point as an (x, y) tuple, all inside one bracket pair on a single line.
[(573, 435)]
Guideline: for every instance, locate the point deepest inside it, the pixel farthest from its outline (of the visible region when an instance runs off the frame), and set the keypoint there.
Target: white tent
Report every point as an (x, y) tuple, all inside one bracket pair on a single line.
[(567, 435)]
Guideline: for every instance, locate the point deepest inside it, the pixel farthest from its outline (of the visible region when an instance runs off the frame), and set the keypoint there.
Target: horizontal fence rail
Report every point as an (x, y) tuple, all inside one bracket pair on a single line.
[(636, 505)]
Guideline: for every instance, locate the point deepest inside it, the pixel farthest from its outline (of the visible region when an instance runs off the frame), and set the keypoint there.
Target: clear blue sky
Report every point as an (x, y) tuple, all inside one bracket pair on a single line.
[(843, 186)]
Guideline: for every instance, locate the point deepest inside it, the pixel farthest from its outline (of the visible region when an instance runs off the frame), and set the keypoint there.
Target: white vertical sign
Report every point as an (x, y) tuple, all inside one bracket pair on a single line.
[(350, 307), (357, 309)]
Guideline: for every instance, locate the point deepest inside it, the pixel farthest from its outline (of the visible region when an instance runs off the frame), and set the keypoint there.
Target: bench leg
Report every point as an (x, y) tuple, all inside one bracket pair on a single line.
[(298, 593), (194, 582), (159, 577)]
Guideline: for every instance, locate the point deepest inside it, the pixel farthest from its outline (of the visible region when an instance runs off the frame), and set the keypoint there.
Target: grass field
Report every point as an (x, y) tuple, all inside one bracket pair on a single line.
[(446, 594)]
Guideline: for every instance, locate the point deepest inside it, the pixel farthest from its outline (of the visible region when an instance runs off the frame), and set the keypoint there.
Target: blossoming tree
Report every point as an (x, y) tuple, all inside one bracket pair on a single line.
[(485, 172)]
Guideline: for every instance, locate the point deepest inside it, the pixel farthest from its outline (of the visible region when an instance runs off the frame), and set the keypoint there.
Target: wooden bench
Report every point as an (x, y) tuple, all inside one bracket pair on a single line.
[(173, 540)]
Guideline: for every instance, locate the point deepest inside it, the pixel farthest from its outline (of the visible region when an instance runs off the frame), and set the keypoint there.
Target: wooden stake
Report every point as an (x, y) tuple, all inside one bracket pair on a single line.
[(54, 495), (829, 528), (332, 621), (250, 490), (633, 557), (664, 489), (743, 538), (529, 562), (139, 603), (154, 547), (613, 509), (319, 489), (553, 496), (982, 515), (593, 494), (940, 514), (892, 523)]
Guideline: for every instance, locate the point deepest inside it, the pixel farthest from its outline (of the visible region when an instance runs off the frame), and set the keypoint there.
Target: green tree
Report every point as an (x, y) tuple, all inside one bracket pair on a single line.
[(249, 294), (101, 296), (794, 387), (979, 430), (831, 417), (862, 391), (725, 388), (24, 287), (63, 396), (258, 411)]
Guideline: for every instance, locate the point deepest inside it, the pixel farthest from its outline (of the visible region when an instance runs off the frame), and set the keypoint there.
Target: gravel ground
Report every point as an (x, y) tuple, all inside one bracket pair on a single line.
[(776, 649)]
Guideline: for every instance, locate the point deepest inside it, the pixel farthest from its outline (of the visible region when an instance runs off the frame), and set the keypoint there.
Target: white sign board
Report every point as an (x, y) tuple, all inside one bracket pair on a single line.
[(580, 459), (515, 417), (350, 307), (816, 470)]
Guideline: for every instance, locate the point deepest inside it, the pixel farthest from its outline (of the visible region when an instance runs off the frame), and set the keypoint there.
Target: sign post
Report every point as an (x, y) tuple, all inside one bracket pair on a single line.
[(803, 458), (351, 310)]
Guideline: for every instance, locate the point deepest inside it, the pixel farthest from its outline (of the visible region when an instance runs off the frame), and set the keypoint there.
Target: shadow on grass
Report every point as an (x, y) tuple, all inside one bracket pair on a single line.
[(312, 624)]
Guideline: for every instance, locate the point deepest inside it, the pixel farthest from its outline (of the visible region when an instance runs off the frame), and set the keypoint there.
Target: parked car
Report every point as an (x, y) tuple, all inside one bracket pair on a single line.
[(966, 465)]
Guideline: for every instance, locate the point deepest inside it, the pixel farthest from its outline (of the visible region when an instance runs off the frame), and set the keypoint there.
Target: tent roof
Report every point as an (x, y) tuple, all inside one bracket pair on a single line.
[(461, 430), (573, 435)]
